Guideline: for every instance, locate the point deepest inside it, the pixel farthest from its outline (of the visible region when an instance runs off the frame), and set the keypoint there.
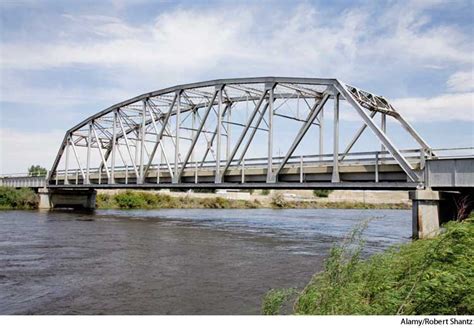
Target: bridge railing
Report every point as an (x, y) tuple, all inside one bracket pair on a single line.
[(375, 158), (444, 153), (19, 180)]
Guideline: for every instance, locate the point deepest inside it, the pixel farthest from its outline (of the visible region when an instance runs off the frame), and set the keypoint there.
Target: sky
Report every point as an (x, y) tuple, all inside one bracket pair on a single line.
[(62, 61)]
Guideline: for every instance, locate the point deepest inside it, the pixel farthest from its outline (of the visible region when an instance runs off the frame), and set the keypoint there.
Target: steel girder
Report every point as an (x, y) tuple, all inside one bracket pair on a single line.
[(165, 122)]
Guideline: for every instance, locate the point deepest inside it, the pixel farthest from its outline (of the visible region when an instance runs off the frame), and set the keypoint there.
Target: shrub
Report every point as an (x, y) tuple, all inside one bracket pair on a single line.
[(323, 193), (23, 198), (130, 199), (278, 200)]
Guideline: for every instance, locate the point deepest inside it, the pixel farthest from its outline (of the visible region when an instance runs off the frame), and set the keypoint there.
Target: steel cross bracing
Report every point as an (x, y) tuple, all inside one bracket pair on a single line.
[(166, 136)]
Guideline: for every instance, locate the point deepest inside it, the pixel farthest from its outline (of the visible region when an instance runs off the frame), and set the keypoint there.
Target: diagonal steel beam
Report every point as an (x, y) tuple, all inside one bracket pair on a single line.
[(211, 142), (101, 152), (160, 133), (252, 134), (126, 142), (77, 158), (315, 110), (163, 153), (196, 136), (407, 126), (245, 130), (160, 142), (356, 137), (378, 132)]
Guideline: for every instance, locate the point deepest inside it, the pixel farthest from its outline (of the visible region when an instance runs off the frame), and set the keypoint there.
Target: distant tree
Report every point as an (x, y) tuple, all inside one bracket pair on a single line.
[(36, 170)]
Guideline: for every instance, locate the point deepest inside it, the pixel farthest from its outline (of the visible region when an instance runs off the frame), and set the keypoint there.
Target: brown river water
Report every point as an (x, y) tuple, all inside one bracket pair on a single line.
[(171, 261)]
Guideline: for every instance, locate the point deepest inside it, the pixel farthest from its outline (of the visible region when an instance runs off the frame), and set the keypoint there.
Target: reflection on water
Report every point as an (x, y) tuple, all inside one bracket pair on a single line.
[(171, 261)]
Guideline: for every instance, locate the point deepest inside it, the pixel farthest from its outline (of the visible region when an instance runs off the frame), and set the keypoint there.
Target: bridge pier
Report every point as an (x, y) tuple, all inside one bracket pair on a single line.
[(83, 199)]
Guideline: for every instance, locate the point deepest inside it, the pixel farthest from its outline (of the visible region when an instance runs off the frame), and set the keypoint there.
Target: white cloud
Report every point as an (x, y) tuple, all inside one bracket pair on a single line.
[(461, 81), (184, 45), (446, 107), (300, 39)]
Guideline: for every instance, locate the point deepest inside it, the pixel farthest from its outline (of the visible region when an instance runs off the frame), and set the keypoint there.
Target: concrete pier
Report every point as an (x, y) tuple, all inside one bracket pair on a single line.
[(76, 199), (425, 213)]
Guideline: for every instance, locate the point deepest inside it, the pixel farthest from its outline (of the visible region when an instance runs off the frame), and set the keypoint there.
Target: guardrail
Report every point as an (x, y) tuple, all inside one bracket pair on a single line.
[(376, 158)]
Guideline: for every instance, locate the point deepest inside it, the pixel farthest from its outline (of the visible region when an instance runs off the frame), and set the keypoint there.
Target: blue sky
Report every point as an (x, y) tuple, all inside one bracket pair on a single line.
[(62, 61)]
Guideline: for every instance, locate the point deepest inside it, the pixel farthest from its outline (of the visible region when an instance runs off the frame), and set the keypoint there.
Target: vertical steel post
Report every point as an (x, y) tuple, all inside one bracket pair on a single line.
[(77, 177), (301, 169), (335, 165), (195, 172), (114, 145), (176, 146), (376, 167), (88, 163), (193, 132), (321, 134), (270, 177), (243, 170), (217, 178), (158, 170), (229, 132), (126, 174), (66, 163), (142, 143), (383, 127)]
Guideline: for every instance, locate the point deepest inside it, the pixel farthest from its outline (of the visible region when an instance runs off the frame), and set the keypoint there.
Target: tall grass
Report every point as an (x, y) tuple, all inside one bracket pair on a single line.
[(425, 277)]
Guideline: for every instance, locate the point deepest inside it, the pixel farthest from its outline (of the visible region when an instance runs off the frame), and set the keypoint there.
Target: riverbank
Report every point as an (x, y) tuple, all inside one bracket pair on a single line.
[(424, 277), (25, 198), (156, 200)]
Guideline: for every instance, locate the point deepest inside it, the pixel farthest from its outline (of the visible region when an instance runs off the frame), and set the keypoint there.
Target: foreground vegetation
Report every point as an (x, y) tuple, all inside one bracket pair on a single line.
[(23, 198), (425, 277)]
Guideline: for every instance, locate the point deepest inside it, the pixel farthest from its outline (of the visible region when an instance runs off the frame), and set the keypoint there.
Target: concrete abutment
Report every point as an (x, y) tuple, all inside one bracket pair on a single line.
[(84, 199), (432, 208)]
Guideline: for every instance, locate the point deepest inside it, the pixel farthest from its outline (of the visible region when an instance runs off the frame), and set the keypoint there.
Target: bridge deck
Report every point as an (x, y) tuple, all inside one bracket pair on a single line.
[(306, 173)]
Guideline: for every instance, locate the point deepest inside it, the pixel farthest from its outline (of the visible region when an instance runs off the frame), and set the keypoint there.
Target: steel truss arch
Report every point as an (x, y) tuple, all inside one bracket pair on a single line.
[(196, 117)]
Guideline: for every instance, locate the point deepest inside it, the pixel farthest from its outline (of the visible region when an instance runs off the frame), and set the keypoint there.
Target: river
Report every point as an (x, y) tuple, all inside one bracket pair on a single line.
[(171, 261)]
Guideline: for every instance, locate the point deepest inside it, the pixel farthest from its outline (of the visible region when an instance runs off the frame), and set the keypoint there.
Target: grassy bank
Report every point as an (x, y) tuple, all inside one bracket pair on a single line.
[(23, 198), (278, 201), (424, 277), (147, 200), (135, 199)]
